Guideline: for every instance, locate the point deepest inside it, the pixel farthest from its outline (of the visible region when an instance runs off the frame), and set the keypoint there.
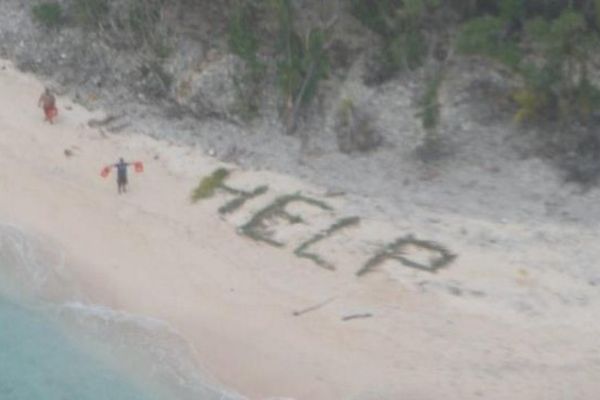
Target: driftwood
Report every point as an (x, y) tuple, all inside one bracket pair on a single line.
[(356, 316), (313, 308)]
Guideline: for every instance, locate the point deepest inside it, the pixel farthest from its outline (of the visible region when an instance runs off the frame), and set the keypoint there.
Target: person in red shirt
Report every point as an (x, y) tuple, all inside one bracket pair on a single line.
[(48, 102)]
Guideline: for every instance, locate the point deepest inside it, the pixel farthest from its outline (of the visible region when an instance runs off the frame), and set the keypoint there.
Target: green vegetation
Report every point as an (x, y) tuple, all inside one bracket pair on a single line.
[(345, 111), (142, 21), (243, 41), (90, 13), (548, 47), (402, 26), (257, 229), (502, 30), (483, 36), (549, 44), (354, 129), (241, 199), (310, 63), (375, 15), (209, 185), (242, 36), (397, 251), (302, 62), (559, 84), (302, 252), (48, 14), (132, 23), (429, 111), (142, 17), (429, 104)]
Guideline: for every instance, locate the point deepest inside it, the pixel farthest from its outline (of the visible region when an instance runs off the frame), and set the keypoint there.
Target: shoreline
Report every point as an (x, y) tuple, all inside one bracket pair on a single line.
[(98, 258), (151, 252)]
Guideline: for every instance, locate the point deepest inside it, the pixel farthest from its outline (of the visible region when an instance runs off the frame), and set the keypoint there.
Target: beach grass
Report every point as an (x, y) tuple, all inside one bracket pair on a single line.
[(255, 228), (397, 249), (209, 185), (301, 251)]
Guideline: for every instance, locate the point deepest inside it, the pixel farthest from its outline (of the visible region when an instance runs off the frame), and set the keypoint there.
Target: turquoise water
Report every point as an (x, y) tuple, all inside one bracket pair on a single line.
[(56, 346), (37, 361)]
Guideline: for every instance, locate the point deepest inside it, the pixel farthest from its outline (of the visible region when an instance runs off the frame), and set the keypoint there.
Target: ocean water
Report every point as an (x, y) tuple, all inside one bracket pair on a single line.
[(54, 345), (38, 361)]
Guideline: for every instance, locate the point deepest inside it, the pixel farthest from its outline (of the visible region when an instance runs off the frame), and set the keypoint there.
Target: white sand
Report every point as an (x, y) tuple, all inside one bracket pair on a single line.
[(514, 317)]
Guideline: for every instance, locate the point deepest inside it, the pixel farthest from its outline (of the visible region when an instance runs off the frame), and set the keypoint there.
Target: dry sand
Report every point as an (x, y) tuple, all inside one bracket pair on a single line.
[(513, 317)]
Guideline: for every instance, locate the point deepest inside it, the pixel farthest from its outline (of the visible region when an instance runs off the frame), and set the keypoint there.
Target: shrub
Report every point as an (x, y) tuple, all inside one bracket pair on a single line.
[(586, 99), (429, 104), (243, 41), (530, 104), (242, 37), (355, 130), (376, 14), (291, 51), (433, 147), (49, 14), (142, 18), (485, 36), (512, 9), (302, 62), (142, 22), (559, 87), (407, 51), (90, 13), (401, 25), (314, 63)]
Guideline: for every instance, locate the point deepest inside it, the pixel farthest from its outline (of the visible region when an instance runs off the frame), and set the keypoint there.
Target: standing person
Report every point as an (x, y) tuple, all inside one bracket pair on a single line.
[(121, 167), (48, 102)]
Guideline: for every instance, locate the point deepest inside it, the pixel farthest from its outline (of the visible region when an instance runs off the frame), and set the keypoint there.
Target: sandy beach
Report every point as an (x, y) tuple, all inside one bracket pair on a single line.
[(514, 316)]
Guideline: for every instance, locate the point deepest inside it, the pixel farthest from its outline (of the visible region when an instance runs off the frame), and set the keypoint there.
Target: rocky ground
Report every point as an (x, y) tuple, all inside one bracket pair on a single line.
[(487, 170)]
